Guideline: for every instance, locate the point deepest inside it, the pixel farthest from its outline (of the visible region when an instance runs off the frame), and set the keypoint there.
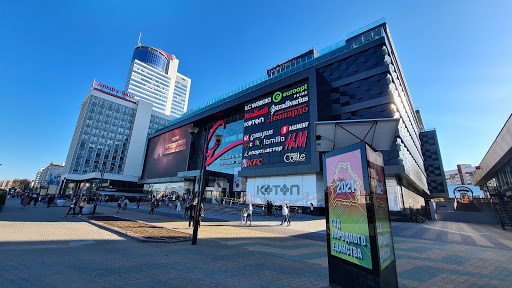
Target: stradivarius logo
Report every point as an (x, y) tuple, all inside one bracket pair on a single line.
[(277, 97)]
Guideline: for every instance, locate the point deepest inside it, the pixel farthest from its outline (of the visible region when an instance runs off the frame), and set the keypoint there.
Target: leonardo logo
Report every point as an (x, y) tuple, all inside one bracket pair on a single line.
[(277, 97)]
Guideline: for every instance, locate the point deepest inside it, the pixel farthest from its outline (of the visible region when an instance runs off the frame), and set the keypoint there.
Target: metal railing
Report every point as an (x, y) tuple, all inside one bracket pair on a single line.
[(325, 53)]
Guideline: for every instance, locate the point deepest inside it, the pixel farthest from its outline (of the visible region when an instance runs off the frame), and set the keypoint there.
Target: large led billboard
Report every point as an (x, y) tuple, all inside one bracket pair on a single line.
[(277, 128), (167, 154), (380, 200), (348, 219)]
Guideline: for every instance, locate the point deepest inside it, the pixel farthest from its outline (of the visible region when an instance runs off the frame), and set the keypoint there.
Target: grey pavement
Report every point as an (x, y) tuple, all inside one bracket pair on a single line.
[(40, 248)]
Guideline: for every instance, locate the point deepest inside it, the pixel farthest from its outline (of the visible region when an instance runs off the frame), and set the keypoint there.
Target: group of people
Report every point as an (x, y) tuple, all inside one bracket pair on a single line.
[(74, 204)]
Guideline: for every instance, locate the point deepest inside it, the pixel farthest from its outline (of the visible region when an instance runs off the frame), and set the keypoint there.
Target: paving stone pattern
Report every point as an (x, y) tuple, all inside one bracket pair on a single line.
[(40, 248)]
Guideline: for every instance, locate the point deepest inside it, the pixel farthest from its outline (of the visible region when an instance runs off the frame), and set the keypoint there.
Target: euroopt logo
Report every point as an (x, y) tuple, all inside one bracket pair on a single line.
[(302, 90)]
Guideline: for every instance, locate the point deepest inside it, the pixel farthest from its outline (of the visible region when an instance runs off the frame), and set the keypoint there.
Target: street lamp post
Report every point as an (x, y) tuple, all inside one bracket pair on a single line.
[(199, 197), (102, 171)]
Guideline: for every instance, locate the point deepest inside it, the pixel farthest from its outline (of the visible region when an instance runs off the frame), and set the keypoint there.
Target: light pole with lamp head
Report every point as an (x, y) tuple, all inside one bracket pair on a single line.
[(102, 171), (199, 195)]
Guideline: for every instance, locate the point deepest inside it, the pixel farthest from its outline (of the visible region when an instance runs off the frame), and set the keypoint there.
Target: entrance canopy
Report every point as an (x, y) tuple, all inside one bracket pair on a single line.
[(378, 133)]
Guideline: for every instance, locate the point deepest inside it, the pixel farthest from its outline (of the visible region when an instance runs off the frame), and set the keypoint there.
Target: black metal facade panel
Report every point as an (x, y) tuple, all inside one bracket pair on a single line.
[(433, 163)]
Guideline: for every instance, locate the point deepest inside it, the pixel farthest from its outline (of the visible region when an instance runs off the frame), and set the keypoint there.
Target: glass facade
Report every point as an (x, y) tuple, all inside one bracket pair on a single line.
[(104, 137), (151, 57)]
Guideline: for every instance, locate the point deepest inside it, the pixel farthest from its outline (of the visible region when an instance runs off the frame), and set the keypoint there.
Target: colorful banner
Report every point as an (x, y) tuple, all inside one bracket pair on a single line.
[(348, 220)]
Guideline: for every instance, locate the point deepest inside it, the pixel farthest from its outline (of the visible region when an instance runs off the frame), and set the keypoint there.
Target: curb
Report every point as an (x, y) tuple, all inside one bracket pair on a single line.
[(135, 236)]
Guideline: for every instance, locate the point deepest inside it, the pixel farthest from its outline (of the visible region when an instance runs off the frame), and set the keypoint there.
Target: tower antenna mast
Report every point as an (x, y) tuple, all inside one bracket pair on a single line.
[(140, 34)]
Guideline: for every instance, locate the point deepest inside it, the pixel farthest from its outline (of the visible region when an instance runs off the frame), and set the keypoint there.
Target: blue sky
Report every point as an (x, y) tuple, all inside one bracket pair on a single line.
[(456, 57)]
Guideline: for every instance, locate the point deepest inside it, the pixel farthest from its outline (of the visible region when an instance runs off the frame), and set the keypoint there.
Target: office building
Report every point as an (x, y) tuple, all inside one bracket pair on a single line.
[(273, 143), (432, 161), (461, 175), (49, 179), (494, 175), (153, 76), (109, 138)]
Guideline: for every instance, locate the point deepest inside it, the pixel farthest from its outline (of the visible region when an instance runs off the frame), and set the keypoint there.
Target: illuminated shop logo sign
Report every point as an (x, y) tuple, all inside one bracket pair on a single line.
[(263, 150), (288, 103), (252, 144), (296, 140), (261, 134), (297, 92), (266, 190), (254, 122), (254, 162), (287, 128), (256, 113), (114, 90), (294, 157), (175, 146), (258, 103), (292, 112)]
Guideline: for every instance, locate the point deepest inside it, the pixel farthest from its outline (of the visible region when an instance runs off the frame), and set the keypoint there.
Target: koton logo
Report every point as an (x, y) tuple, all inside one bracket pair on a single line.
[(254, 162), (294, 157), (256, 113)]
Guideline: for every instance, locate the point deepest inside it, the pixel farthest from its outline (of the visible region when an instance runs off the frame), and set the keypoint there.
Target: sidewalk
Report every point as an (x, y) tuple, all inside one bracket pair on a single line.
[(39, 248)]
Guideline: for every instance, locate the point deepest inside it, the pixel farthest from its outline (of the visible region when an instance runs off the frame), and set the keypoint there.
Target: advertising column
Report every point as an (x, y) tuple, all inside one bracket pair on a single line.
[(360, 243)]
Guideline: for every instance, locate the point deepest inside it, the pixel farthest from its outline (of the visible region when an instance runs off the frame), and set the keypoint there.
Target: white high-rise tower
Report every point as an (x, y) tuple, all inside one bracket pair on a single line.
[(154, 77)]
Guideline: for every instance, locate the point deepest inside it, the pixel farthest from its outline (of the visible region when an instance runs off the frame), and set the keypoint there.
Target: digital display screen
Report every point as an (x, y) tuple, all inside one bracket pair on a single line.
[(277, 128), (379, 194), (167, 154), (348, 219)]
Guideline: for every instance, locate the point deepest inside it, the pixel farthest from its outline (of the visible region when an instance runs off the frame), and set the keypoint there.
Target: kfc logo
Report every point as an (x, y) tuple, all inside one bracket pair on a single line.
[(248, 163)]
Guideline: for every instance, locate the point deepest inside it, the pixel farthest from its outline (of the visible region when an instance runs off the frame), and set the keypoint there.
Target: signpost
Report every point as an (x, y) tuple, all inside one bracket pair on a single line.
[(359, 240)]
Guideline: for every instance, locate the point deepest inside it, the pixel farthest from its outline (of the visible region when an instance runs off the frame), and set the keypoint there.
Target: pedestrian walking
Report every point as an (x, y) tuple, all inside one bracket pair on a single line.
[(285, 214), (249, 215), (152, 206), (26, 200), (243, 217), (288, 214), (178, 204), (125, 205), (72, 207), (187, 208), (311, 209), (82, 205), (35, 199), (138, 202), (119, 204), (192, 212), (50, 200)]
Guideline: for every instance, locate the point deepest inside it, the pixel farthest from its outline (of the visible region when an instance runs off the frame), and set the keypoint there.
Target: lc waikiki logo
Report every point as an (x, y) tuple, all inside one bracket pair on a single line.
[(278, 95)]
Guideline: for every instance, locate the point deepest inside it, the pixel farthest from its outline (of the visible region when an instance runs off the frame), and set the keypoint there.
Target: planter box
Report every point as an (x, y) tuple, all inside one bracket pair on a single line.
[(87, 209), (61, 203)]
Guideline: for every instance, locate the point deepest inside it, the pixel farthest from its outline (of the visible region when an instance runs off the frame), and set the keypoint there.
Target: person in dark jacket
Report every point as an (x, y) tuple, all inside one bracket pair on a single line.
[(74, 203)]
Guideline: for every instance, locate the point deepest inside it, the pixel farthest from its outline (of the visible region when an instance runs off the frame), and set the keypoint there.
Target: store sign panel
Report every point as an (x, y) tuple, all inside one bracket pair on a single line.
[(276, 128), (296, 190), (349, 234)]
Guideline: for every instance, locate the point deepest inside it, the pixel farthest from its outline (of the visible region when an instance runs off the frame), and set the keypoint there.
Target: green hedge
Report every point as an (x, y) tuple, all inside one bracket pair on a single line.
[(3, 196)]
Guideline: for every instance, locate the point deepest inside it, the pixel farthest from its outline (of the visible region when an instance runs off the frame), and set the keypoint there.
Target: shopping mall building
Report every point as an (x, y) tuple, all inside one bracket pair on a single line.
[(275, 130)]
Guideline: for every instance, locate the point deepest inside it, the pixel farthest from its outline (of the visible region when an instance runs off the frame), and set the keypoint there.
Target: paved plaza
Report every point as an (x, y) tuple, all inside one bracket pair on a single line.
[(40, 248)]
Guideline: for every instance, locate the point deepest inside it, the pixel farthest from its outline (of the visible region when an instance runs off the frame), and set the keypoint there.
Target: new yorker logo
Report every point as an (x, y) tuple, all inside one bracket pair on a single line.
[(278, 95), (256, 113)]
